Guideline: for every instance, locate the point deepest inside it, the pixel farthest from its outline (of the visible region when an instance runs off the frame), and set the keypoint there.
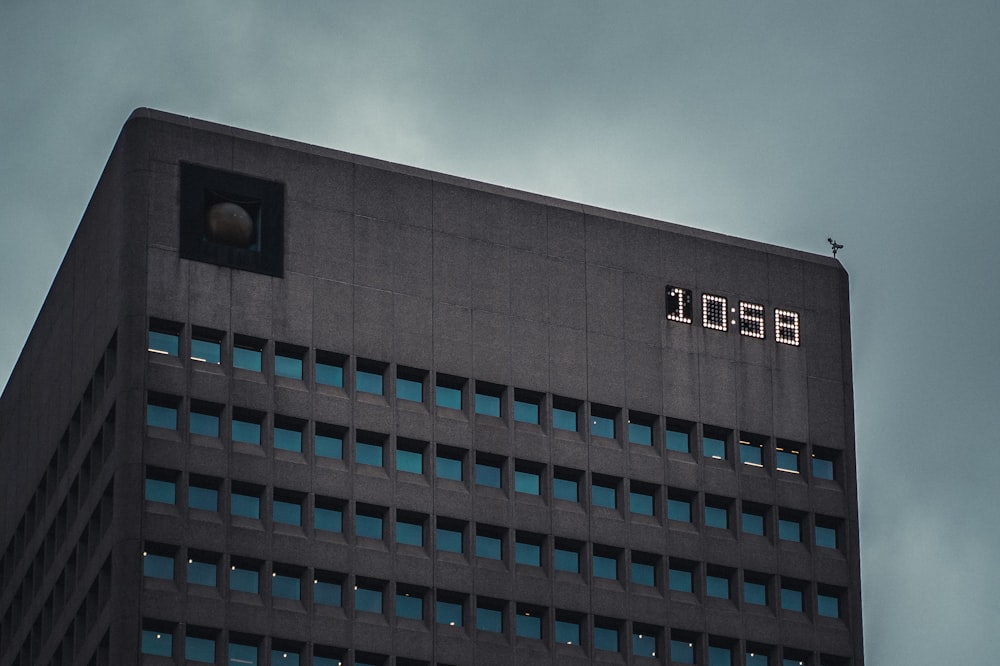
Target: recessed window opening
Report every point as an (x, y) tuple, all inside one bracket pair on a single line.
[(526, 406), (489, 399)]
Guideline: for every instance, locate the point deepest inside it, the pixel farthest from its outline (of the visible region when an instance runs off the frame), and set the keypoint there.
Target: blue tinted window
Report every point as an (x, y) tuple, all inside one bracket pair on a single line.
[(287, 366), (368, 454), (716, 516), (823, 467), (681, 580), (566, 489), (285, 586), (528, 483), (410, 461), (679, 509), (643, 574), (755, 593), (447, 467), (329, 446), (449, 612), (247, 358), (161, 416), (602, 426), (158, 566), (327, 593), (368, 526), (244, 579), (200, 572), (719, 656), (568, 632), (605, 567), (409, 606), (163, 343), (640, 433), (449, 540), (242, 654), (751, 454), (791, 599), (209, 351), (327, 661), (287, 512), (489, 619), (368, 599), (602, 495), (641, 503), (487, 404), (529, 554), (682, 652), (606, 638), (246, 431), (789, 529), (288, 439), (717, 586), (753, 523), (329, 374), (526, 412), (528, 626), (199, 649), (158, 643), (245, 505), (678, 440), (409, 389), (368, 382), (787, 460), (448, 397), (284, 658), (158, 490), (409, 533), (564, 419), (489, 547), (715, 448), (643, 645), (826, 536), (204, 498), (331, 520), (827, 606), (488, 475), (566, 560), (204, 424)]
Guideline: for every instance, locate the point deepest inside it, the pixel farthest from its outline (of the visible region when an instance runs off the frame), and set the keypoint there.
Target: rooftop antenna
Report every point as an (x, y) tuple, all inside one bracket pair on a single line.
[(835, 246)]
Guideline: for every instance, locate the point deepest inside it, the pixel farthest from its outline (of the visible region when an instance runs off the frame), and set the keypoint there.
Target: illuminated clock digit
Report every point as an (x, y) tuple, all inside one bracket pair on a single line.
[(713, 312), (679, 304), (786, 327), (751, 319)]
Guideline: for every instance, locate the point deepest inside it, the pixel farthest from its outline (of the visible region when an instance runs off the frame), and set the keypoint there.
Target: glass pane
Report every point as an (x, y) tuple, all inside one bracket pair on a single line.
[(791, 599), (287, 366), (681, 580), (161, 491), (409, 389), (640, 503), (368, 526), (717, 586), (288, 439), (449, 612), (567, 560), (448, 397), (526, 412), (157, 643), (564, 419), (448, 468), (679, 509), (755, 593), (677, 440), (822, 468), (247, 358), (827, 606), (209, 351), (326, 661), (199, 649), (606, 638), (160, 416), (715, 448), (826, 536), (489, 547), (682, 652), (410, 606), (368, 600), (368, 454), (567, 632), (787, 461), (246, 431), (719, 656), (528, 626), (487, 475), (204, 424), (242, 655), (158, 566), (163, 343), (206, 499), (753, 523), (410, 533), (528, 483), (330, 375), (643, 574), (368, 382), (639, 433), (789, 530), (489, 619), (529, 554), (245, 505), (643, 645), (284, 658), (566, 489), (201, 573), (449, 540), (603, 496), (244, 580), (285, 586), (716, 516), (331, 520), (328, 446), (410, 461), (289, 513), (602, 426), (605, 567), (487, 404), (751, 454), (327, 593)]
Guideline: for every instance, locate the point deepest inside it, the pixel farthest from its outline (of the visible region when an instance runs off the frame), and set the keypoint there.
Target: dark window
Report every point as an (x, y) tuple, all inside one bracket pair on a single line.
[(678, 439), (448, 464), (449, 610), (449, 537), (199, 646), (161, 412), (206, 346), (203, 493), (681, 576), (826, 533), (824, 464), (789, 526), (489, 615), (605, 635), (752, 452), (329, 442), (288, 435), (367, 451), (368, 597), (526, 406), (288, 361), (605, 563), (564, 414), (448, 392), (409, 603), (527, 479), (161, 486), (489, 472), (287, 509), (409, 529), (158, 642), (828, 602), (644, 641), (717, 583), (158, 562), (604, 492), (203, 419), (202, 569), (754, 519), (755, 590), (566, 485), (368, 377), (567, 629), (602, 421), (714, 446), (716, 513), (642, 500), (244, 576), (284, 655), (328, 516), (368, 522), (566, 556), (410, 456), (247, 353), (528, 550), (245, 501), (792, 597), (720, 655), (328, 590), (489, 398), (528, 621), (330, 369), (243, 653), (164, 338), (679, 507), (246, 426), (489, 542), (410, 384), (286, 583), (640, 428), (643, 569), (787, 458)]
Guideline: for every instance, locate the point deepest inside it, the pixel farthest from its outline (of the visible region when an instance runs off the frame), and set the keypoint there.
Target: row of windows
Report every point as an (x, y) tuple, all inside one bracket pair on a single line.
[(488, 399), (207, 645), (287, 581), (290, 507)]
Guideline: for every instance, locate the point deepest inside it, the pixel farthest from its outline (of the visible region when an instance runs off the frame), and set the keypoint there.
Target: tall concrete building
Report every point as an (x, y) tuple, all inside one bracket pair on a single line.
[(285, 405)]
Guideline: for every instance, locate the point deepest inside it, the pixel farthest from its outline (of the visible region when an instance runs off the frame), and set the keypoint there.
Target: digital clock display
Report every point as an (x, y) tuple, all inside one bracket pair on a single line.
[(749, 319)]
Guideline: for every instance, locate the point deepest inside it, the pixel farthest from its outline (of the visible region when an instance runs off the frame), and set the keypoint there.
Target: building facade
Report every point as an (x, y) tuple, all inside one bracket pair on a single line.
[(285, 405)]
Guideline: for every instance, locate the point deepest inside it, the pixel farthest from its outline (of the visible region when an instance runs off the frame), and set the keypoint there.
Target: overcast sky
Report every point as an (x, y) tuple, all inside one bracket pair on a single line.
[(875, 122)]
